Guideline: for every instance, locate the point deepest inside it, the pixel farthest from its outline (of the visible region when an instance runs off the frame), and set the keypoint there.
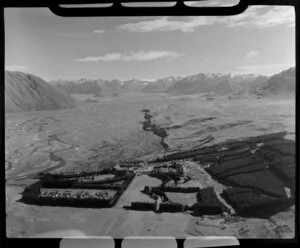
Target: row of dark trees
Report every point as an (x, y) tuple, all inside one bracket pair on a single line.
[(172, 207), (174, 165), (68, 202), (120, 192), (250, 202), (177, 189), (159, 175), (96, 186), (143, 206), (64, 184), (31, 195), (213, 151), (163, 207), (166, 177), (75, 176), (208, 203), (151, 191)]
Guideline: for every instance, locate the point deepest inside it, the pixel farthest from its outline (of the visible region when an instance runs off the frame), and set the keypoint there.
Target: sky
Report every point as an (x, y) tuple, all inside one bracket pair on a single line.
[(261, 41)]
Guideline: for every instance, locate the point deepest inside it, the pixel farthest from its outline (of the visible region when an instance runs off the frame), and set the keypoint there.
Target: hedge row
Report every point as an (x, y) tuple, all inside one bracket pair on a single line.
[(234, 146), (206, 193), (63, 184), (286, 175), (143, 206), (285, 164), (224, 157), (208, 207), (213, 150), (33, 189), (171, 207), (175, 175), (162, 176), (123, 188), (243, 169), (70, 202), (249, 201), (263, 180), (177, 189), (234, 164), (96, 186), (57, 184), (163, 207), (174, 165), (77, 175), (31, 195), (160, 194), (208, 203), (206, 158), (241, 198), (112, 180), (283, 149), (268, 137)]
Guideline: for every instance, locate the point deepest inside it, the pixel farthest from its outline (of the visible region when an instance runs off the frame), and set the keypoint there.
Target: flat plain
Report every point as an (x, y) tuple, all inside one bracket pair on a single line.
[(105, 130)]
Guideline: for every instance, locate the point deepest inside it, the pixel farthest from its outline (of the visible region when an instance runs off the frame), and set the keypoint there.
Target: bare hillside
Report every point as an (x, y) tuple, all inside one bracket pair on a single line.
[(26, 92)]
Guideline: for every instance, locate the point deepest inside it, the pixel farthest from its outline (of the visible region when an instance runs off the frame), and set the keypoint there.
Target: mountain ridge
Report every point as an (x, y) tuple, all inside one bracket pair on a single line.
[(215, 83), (197, 83), (26, 92)]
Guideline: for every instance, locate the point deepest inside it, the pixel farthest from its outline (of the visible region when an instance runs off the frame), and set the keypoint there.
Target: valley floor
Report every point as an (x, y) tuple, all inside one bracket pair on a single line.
[(106, 130)]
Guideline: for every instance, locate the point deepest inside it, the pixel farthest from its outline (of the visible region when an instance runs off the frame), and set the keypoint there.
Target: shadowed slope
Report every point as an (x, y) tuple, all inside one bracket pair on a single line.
[(281, 83), (25, 92)]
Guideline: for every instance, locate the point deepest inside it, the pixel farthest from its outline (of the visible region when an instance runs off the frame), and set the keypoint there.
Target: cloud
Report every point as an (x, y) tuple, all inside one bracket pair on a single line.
[(264, 17), (105, 58), (132, 56), (165, 24), (252, 54), (142, 55), (99, 31), (254, 16)]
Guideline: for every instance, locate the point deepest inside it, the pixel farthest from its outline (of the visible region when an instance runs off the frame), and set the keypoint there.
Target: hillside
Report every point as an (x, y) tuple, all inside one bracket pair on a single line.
[(26, 92), (281, 83), (247, 82)]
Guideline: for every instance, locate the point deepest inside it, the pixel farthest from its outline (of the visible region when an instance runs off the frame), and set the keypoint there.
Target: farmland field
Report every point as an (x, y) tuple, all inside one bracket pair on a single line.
[(182, 198)]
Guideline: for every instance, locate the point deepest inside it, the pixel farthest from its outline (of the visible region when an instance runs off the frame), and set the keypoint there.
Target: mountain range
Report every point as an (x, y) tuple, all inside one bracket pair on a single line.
[(26, 92), (216, 83)]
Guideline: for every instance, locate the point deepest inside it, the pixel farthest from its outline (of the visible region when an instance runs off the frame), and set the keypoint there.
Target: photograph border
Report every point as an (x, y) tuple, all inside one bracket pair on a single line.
[(117, 10)]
